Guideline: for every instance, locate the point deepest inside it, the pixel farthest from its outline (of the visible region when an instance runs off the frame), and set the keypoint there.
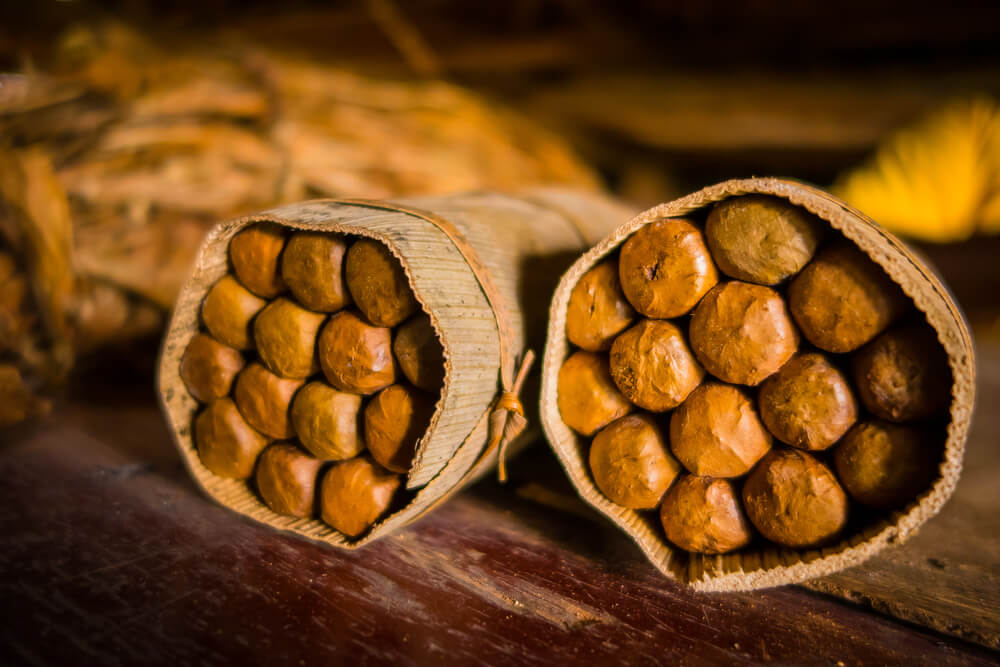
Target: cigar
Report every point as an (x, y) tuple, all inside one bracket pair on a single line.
[(327, 421), (378, 283), (808, 404), (286, 479), (395, 420), (208, 368), (794, 500), (653, 367), (312, 266), (227, 445), (886, 465), (761, 239), (903, 374), (356, 356), (631, 463), (588, 398), (228, 311), (355, 493), (254, 253), (742, 333), (842, 299), (665, 268), (598, 310), (716, 432), (263, 399), (704, 515), (285, 334), (419, 353)]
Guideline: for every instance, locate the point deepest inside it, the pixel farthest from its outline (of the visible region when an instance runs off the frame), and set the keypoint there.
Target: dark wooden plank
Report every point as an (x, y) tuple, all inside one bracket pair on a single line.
[(108, 555)]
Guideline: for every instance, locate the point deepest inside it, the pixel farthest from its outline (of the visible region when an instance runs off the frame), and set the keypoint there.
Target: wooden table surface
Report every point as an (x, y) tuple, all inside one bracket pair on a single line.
[(109, 555)]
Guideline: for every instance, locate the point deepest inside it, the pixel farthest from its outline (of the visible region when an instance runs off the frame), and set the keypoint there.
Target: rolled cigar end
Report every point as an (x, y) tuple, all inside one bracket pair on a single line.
[(716, 432), (794, 500), (653, 367), (227, 445), (419, 354), (208, 367), (254, 253), (885, 465), (808, 403), (355, 493), (327, 421), (378, 284), (286, 478), (703, 515), (598, 310), (842, 299), (903, 374), (313, 268), (228, 311), (264, 398), (742, 333), (395, 420), (665, 268), (588, 398), (285, 334), (631, 464), (761, 239), (356, 356)]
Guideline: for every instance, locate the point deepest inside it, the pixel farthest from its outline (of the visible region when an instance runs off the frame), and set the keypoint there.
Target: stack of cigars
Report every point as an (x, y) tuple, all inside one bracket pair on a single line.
[(752, 376), (316, 371)]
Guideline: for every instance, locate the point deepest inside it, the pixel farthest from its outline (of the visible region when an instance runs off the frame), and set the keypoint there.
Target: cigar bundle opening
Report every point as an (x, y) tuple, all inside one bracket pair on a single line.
[(316, 372), (757, 384)]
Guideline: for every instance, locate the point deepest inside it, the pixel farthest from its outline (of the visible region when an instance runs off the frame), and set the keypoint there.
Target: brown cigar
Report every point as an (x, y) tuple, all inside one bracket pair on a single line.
[(263, 399), (665, 268), (208, 367), (717, 432), (903, 374), (598, 310), (653, 367), (286, 479), (761, 239), (285, 334), (227, 445), (356, 356), (254, 253), (395, 420), (378, 284), (704, 515), (741, 333), (327, 421), (419, 354), (313, 268), (808, 403), (588, 398), (842, 299), (631, 463), (794, 500), (355, 494), (885, 465), (228, 311)]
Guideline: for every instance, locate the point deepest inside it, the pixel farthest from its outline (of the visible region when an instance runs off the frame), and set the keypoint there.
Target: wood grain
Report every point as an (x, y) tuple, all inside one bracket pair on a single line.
[(108, 555)]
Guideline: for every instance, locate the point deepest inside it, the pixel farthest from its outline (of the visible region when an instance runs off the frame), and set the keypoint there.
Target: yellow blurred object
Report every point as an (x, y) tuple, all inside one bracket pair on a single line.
[(938, 180)]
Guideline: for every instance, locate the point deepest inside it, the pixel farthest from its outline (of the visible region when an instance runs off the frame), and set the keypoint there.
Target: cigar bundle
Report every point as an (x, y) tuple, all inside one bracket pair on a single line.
[(758, 384), (338, 367)]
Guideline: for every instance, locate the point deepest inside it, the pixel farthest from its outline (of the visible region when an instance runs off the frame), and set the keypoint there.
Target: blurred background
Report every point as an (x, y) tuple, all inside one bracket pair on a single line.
[(127, 128)]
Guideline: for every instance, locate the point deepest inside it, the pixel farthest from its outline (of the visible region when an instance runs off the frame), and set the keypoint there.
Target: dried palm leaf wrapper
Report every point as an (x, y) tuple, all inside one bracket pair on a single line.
[(117, 156), (480, 266), (801, 493)]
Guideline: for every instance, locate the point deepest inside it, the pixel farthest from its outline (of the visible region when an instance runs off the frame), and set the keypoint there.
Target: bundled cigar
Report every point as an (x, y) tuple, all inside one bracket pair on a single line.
[(337, 368), (758, 384)]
